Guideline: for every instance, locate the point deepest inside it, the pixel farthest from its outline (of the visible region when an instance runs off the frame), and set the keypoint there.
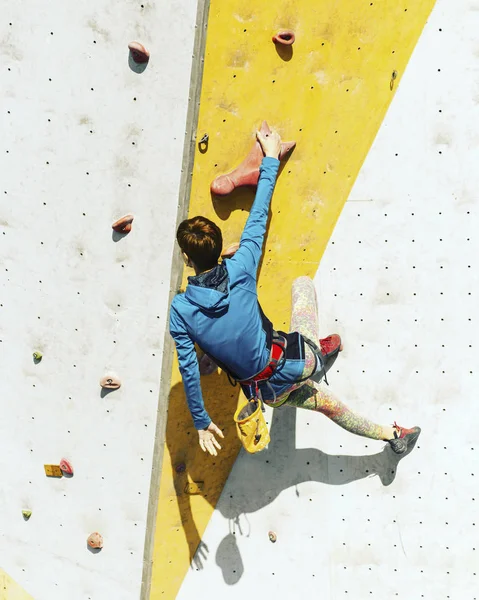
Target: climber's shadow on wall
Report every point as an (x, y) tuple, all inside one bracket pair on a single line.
[(257, 479)]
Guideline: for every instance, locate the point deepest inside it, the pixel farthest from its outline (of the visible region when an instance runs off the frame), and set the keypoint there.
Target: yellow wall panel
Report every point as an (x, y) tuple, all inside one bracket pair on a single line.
[(10, 590), (330, 95)]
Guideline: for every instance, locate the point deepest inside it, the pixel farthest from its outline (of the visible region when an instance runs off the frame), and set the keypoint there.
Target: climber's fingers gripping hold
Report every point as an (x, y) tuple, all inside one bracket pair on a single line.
[(208, 442), (270, 143)]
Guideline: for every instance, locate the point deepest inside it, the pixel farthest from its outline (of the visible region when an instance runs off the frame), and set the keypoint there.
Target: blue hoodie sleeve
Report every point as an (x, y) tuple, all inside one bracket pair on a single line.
[(189, 369), (251, 243)]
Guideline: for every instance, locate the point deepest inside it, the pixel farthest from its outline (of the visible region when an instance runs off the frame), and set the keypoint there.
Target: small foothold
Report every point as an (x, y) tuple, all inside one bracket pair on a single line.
[(230, 250), (180, 468), (138, 52), (110, 381), (37, 355), (394, 75), (207, 365), (285, 37), (53, 471), (95, 540), (272, 536), (123, 225), (26, 514), (66, 466)]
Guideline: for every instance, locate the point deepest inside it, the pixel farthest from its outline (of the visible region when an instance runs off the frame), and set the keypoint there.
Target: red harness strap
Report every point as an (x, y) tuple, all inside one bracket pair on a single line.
[(278, 348)]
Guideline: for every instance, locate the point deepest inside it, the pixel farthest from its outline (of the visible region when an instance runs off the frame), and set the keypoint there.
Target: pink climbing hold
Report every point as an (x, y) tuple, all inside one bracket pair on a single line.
[(138, 52), (66, 466), (285, 37), (95, 540), (123, 225), (247, 173)]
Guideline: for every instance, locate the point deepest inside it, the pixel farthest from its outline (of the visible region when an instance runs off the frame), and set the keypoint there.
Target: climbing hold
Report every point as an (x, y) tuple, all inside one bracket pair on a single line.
[(230, 250), (26, 514), (53, 471), (37, 355), (393, 79), (194, 487), (180, 468), (272, 536), (285, 37), (66, 466), (123, 225), (95, 540), (138, 52), (247, 173), (203, 143), (207, 365), (110, 381)]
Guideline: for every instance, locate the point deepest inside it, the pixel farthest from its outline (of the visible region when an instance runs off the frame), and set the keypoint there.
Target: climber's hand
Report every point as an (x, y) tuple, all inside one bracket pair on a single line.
[(270, 143), (207, 439)]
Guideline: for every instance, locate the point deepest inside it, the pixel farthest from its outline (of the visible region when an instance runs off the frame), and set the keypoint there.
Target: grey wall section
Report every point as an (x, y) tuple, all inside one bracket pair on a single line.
[(85, 139)]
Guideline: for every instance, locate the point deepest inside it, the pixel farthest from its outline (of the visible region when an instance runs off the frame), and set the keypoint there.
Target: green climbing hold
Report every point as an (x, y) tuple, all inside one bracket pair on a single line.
[(37, 355), (26, 514)]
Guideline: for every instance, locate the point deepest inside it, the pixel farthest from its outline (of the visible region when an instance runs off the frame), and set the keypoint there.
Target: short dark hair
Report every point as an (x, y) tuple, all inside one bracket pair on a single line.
[(201, 240)]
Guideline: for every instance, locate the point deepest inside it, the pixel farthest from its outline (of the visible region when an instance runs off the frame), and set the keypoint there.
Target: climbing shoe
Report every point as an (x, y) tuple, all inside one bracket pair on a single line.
[(326, 355), (330, 345), (403, 438)]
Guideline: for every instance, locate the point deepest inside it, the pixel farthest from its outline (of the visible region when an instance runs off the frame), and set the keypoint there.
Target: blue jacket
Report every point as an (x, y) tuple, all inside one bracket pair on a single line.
[(220, 312)]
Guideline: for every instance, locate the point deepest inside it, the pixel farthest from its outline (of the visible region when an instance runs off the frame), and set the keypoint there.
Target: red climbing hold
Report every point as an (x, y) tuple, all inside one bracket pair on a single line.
[(123, 225), (247, 173), (285, 37), (138, 52), (95, 540), (66, 466)]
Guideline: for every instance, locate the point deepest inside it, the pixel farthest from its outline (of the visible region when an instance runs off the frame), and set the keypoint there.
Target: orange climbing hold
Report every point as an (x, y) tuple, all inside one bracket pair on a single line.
[(123, 225), (138, 52), (110, 381), (95, 540), (230, 250), (247, 173), (285, 37)]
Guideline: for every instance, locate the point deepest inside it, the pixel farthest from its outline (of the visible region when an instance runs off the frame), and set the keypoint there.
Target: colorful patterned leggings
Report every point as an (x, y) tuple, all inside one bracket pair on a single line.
[(310, 395)]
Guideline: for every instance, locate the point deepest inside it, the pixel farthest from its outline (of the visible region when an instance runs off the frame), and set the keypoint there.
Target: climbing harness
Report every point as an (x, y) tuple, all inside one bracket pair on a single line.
[(250, 423)]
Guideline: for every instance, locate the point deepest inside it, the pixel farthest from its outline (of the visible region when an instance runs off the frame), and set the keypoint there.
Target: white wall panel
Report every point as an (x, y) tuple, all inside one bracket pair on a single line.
[(85, 139)]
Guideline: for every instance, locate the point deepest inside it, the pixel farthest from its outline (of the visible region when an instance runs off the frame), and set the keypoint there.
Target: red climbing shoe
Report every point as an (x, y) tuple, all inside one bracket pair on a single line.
[(326, 354), (330, 345), (403, 438)]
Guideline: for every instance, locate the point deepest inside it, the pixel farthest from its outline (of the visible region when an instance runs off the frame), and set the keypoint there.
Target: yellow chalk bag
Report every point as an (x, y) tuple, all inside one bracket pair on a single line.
[(251, 426)]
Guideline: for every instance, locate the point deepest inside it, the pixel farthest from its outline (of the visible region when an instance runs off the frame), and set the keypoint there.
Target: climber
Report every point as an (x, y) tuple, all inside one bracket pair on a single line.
[(220, 312)]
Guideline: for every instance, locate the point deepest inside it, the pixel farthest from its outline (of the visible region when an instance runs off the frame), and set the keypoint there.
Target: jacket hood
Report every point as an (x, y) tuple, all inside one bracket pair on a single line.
[(210, 290)]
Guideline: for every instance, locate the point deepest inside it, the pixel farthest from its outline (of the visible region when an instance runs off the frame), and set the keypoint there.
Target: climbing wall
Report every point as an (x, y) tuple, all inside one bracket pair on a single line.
[(329, 92), (87, 136), (399, 282)]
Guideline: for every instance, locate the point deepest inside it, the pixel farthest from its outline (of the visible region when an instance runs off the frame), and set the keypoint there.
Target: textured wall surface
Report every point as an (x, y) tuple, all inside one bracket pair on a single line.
[(85, 139), (399, 282), (330, 94)]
